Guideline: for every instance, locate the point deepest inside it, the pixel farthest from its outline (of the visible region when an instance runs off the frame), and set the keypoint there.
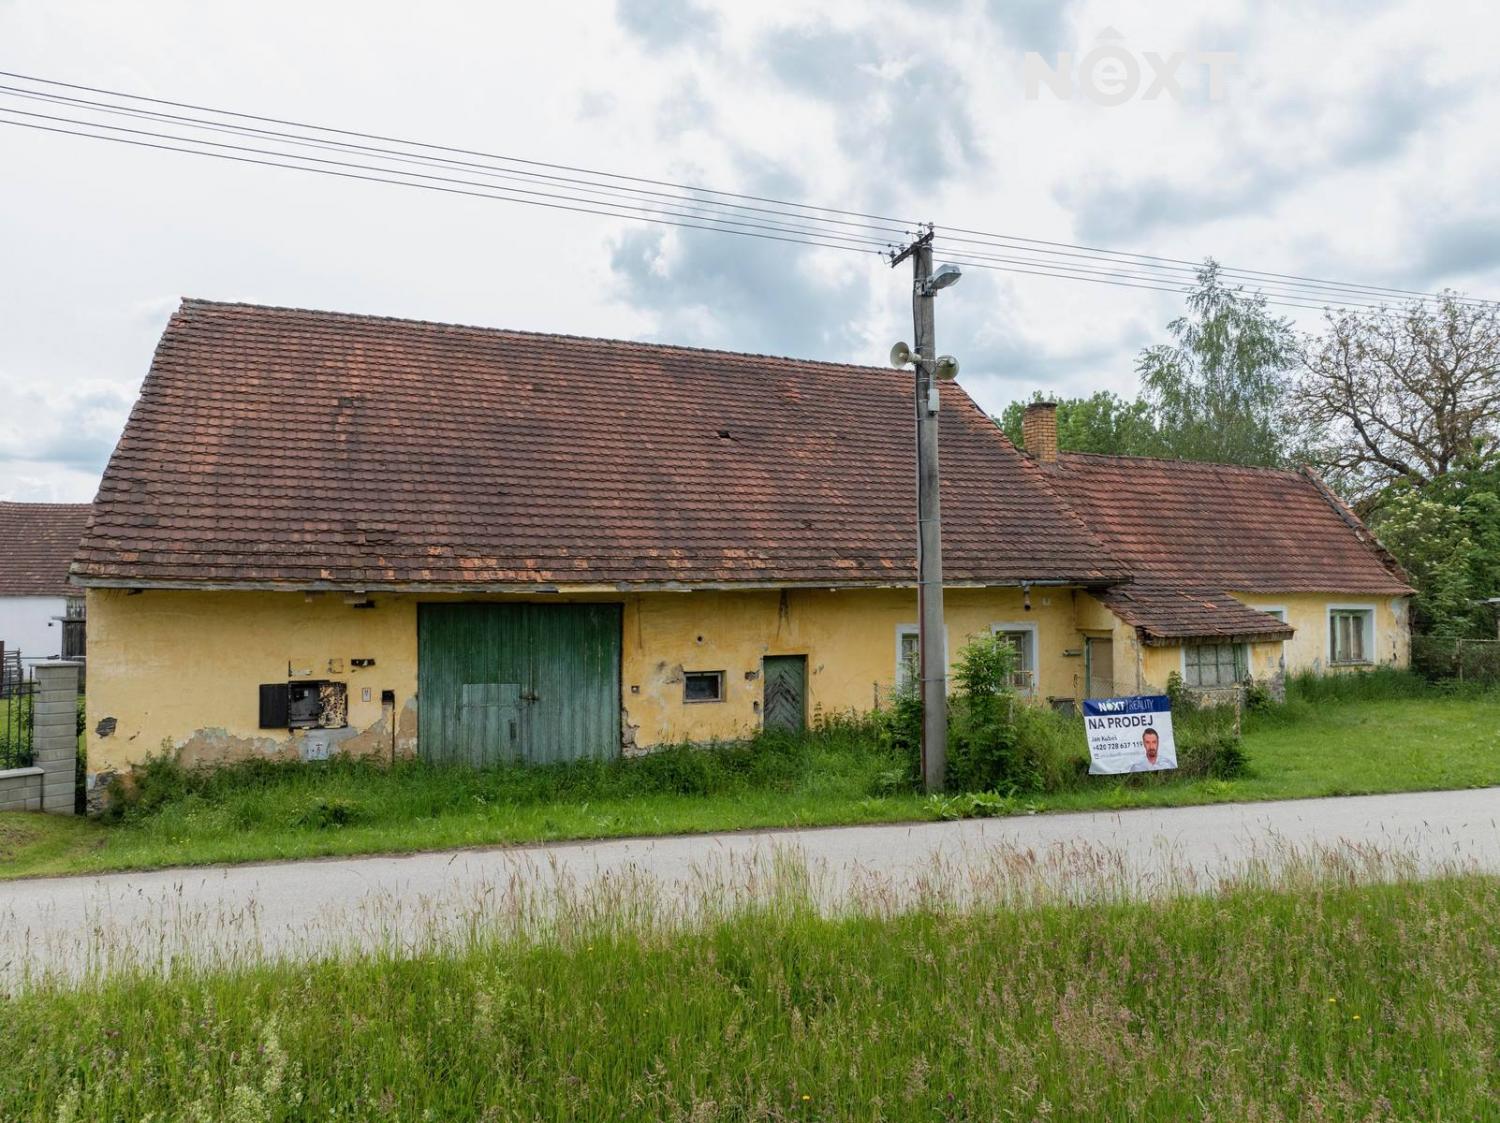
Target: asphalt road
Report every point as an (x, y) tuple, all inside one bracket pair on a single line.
[(70, 926)]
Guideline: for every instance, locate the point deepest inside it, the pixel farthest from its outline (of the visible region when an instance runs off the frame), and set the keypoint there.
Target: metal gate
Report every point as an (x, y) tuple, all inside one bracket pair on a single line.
[(17, 719), (528, 683)]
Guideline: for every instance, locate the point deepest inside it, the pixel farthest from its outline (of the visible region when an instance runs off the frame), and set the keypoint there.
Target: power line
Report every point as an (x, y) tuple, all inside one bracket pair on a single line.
[(445, 148), (609, 194), (874, 244), (423, 186), (419, 159), (620, 211), (1176, 270), (1173, 269)]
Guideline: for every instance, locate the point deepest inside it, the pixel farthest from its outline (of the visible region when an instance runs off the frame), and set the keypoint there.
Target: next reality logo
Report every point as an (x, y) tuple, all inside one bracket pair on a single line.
[(1111, 74)]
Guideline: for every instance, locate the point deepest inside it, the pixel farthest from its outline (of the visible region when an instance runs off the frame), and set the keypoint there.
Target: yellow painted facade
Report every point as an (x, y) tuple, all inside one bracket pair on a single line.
[(1139, 668), (180, 669), (1308, 613)]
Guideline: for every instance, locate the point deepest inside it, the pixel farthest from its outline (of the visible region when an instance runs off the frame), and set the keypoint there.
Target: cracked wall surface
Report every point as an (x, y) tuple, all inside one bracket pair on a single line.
[(179, 671)]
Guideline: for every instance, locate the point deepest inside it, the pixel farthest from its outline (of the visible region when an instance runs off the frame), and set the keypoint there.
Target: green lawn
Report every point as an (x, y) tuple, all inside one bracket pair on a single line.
[(1333, 747), (1300, 1001)]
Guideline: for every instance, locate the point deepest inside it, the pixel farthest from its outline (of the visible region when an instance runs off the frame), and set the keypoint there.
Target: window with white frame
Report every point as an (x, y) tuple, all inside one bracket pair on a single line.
[(1023, 641), (1215, 664), (1351, 635), (1280, 614), (908, 657)]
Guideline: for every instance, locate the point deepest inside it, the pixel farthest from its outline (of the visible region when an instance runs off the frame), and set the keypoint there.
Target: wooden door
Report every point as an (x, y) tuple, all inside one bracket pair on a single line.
[(784, 701), (533, 683), (1101, 667)]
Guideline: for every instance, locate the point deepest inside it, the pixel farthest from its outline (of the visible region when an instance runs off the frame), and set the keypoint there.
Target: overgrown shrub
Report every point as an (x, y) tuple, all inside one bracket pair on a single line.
[(321, 814), (1216, 754), (898, 730), (983, 747), (149, 785), (1258, 698)]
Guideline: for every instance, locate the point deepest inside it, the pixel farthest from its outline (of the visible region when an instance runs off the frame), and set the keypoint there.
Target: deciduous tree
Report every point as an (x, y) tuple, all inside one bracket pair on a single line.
[(1402, 395), (1217, 392)]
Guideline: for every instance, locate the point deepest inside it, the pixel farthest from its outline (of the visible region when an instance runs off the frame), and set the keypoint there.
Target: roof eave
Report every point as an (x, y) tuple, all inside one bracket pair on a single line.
[(88, 581)]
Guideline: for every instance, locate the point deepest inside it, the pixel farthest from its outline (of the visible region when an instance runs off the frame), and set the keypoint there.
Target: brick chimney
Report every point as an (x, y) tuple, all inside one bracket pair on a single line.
[(1039, 431)]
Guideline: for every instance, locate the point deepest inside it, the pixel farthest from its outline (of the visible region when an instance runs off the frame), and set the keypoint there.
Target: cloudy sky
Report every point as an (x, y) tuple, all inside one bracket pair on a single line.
[(1352, 141)]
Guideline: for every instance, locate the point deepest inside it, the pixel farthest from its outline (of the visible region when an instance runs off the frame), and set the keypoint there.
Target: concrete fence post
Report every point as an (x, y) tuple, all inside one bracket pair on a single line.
[(54, 738)]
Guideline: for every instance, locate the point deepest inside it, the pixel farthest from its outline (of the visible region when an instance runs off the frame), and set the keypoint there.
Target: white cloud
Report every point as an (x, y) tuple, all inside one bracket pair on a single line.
[(1351, 144)]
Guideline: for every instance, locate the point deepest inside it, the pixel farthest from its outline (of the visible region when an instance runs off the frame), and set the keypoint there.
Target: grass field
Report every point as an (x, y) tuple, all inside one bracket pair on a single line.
[(1309, 1000), (1315, 746)]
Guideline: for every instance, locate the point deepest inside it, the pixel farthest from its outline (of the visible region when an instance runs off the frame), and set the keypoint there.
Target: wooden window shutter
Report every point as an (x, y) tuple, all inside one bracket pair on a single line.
[(274, 697)]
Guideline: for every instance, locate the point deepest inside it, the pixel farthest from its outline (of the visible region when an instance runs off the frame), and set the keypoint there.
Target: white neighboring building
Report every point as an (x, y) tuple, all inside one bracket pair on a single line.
[(41, 616)]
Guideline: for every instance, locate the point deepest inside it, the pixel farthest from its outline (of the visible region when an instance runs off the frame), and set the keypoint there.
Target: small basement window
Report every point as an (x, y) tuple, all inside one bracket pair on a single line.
[(703, 686)]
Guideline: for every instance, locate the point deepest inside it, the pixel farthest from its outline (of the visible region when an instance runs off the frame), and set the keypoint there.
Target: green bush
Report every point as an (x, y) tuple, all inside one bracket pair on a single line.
[(983, 747), (898, 730), (328, 812), (1215, 755)]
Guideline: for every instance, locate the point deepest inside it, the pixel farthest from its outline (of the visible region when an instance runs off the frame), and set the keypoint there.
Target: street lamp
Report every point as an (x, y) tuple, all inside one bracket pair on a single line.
[(929, 371)]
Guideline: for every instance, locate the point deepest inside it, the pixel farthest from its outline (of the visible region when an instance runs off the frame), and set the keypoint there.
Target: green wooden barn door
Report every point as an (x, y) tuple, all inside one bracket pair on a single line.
[(784, 705), (500, 683), (572, 700)]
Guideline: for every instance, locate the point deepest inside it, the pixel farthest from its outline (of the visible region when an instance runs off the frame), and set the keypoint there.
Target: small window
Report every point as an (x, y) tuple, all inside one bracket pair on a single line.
[(908, 657), (703, 686), (304, 705), (1215, 664), (1023, 642), (1350, 635)]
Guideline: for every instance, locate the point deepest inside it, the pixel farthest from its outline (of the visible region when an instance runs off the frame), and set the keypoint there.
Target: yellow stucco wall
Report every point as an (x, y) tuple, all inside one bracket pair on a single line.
[(180, 669), (1308, 613), (1140, 668)]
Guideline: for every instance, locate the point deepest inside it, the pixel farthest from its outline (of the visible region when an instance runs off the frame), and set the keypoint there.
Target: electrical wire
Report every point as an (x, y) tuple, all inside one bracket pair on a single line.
[(1179, 271), (609, 194), (620, 211), (399, 156), (875, 245)]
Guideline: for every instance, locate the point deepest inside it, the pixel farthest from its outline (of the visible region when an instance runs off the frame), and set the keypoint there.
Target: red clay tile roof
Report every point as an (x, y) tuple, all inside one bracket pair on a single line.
[(1164, 612), (1192, 533), (309, 449), (37, 541)]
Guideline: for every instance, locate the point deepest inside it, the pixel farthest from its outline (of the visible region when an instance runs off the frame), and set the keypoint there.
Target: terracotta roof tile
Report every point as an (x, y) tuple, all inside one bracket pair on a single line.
[(1173, 612), (37, 541), (303, 448), (1192, 533)]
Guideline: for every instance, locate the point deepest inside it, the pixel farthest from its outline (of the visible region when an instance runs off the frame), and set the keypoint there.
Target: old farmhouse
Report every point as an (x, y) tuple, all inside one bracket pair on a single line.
[(325, 532)]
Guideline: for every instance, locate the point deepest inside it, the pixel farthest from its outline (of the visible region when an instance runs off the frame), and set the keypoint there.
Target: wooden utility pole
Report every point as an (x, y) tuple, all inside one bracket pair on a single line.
[(932, 633)]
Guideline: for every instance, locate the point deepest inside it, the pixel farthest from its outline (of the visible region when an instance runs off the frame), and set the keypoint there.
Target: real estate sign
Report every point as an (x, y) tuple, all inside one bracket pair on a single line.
[(1129, 734)]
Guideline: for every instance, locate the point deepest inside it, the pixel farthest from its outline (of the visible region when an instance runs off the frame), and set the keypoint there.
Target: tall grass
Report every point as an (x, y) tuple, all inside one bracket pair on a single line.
[(1377, 684), (841, 757), (1310, 998)]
